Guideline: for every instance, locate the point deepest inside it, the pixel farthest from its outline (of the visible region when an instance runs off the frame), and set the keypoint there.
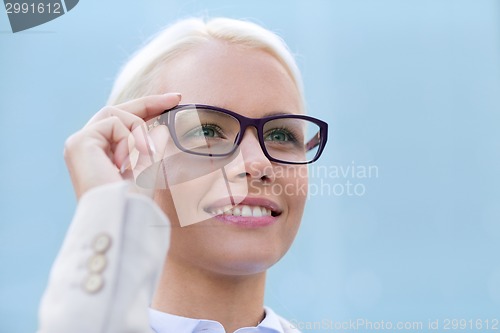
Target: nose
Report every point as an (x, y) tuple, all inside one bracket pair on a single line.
[(253, 165)]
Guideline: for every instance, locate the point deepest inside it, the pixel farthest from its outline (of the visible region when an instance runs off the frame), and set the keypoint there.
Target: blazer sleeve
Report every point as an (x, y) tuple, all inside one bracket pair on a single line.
[(106, 272)]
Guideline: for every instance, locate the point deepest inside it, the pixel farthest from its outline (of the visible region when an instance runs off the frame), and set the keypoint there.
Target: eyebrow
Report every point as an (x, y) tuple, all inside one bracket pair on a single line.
[(267, 114), (276, 113), (182, 115)]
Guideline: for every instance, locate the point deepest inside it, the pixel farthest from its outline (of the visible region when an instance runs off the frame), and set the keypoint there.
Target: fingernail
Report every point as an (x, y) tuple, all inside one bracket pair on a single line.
[(151, 145), (149, 141), (125, 165), (176, 94)]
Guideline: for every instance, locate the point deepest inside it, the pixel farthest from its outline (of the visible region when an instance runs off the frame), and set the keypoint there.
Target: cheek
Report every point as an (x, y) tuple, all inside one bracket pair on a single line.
[(300, 189), (188, 180), (163, 199), (180, 201), (294, 181), (295, 185)]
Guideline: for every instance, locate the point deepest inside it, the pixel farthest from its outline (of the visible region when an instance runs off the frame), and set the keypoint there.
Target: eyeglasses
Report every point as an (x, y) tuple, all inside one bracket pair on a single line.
[(212, 131)]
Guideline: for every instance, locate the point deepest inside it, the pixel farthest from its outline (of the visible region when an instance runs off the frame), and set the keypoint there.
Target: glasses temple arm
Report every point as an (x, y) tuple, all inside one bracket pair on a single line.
[(314, 142)]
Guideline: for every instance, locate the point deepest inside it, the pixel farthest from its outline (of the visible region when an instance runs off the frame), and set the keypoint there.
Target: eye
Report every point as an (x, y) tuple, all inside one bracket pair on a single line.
[(206, 131), (279, 135)]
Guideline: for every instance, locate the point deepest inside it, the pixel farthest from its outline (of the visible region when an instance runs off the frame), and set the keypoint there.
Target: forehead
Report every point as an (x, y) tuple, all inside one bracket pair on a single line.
[(251, 82)]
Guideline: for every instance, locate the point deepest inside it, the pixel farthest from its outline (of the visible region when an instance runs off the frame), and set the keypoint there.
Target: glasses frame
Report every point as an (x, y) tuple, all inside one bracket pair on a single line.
[(245, 122)]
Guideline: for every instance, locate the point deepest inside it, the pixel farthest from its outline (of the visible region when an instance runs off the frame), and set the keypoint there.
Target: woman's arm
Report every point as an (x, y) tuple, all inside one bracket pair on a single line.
[(106, 271)]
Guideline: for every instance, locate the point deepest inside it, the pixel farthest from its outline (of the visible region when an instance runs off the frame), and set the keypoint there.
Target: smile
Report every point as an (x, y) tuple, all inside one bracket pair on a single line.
[(249, 212), (243, 210)]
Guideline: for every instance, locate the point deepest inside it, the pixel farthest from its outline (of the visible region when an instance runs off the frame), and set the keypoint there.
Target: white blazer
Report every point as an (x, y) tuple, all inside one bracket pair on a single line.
[(106, 272)]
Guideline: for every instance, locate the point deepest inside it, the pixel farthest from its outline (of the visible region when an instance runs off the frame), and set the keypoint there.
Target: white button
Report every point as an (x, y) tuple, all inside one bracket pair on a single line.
[(97, 263), (102, 243), (93, 283)]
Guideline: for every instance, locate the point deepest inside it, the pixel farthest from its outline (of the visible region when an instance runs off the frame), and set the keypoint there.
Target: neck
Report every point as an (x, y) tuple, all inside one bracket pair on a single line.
[(234, 301)]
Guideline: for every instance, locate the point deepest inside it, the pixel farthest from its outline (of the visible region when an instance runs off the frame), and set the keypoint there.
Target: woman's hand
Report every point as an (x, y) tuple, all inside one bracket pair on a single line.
[(95, 154)]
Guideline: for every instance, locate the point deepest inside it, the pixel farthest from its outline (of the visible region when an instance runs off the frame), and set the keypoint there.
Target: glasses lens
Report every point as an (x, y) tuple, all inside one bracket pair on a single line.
[(205, 131), (292, 139)]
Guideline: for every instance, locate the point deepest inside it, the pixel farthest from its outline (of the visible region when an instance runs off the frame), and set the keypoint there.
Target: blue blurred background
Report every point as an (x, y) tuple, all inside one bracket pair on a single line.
[(409, 88)]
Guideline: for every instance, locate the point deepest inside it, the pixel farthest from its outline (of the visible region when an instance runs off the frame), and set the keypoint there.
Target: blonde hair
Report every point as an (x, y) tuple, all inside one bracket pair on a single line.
[(136, 78)]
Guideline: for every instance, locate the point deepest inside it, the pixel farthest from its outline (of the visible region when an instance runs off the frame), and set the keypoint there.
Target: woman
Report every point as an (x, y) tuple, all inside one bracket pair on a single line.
[(228, 170)]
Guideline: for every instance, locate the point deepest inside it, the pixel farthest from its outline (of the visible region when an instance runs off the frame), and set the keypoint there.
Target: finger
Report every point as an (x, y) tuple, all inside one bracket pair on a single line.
[(149, 147), (151, 138), (145, 164), (123, 152), (130, 120), (138, 133), (150, 106), (140, 151), (160, 137), (110, 133)]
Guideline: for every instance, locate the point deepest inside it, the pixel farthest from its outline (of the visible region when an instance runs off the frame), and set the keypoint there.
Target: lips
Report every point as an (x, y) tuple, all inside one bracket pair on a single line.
[(247, 212)]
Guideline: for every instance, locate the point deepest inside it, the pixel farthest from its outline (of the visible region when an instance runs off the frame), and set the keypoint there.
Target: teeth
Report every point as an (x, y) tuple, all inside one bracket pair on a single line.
[(256, 212), (227, 210), (236, 211), (244, 210)]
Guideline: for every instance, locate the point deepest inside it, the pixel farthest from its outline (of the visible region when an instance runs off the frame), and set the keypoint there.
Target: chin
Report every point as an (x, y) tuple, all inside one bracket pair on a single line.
[(244, 260), (241, 267), (222, 253)]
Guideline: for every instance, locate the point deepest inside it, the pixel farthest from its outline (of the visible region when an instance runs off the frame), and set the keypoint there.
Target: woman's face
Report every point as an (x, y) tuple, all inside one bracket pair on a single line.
[(254, 84)]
